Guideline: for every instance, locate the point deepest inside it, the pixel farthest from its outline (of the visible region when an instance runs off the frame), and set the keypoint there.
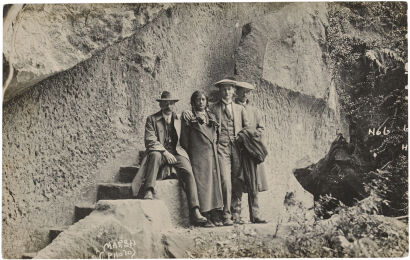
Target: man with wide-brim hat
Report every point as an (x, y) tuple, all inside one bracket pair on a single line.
[(162, 134), (227, 81), (166, 96), (231, 119), (255, 123)]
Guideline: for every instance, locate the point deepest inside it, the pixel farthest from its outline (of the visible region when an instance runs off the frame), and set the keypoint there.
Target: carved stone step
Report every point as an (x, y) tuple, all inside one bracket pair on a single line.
[(127, 174), (114, 191), (28, 255), (82, 210), (170, 191), (115, 229), (54, 232)]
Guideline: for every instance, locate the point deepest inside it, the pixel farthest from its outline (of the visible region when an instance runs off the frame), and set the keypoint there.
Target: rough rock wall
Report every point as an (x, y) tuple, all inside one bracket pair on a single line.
[(76, 128), (41, 40), (282, 54)]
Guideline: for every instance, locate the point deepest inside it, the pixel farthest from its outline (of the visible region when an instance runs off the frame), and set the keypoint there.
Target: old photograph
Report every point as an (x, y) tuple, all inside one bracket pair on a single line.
[(205, 130)]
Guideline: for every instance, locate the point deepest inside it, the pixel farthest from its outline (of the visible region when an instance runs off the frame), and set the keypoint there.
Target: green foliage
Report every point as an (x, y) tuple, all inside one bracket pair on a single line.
[(367, 47), (238, 242), (353, 232)]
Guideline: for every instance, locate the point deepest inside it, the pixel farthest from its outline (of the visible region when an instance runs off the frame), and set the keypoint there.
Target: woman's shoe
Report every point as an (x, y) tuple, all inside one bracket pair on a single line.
[(197, 217), (216, 220), (218, 223)]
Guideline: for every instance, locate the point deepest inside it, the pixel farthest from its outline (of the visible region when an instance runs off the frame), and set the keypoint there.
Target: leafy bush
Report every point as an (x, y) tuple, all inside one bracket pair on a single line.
[(353, 232), (368, 48)]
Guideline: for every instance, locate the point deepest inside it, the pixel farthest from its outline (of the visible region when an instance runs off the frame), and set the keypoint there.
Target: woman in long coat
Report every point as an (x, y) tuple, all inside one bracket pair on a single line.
[(198, 138)]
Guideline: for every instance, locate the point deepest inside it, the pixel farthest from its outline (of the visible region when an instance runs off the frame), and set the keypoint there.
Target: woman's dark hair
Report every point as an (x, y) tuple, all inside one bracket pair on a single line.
[(195, 95)]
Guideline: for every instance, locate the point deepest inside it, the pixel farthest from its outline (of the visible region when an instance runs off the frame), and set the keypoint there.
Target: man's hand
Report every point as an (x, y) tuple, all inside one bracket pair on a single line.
[(187, 115), (170, 157)]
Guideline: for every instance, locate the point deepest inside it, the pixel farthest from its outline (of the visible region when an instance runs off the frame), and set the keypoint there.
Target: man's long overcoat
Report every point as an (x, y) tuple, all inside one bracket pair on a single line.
[(255, 121)]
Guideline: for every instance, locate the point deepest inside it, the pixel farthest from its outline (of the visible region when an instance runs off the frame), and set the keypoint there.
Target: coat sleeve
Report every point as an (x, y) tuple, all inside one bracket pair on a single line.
[(260, 125), (151, 140), (245, 120), (185, 133)]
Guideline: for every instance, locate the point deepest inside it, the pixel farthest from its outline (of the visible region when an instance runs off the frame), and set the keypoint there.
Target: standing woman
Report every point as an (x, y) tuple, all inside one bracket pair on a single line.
[(198, 138)]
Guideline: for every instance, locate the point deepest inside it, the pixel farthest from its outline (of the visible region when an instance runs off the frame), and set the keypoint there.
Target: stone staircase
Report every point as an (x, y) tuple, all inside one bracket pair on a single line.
[(169, 191), (80, 212), (115, 205)]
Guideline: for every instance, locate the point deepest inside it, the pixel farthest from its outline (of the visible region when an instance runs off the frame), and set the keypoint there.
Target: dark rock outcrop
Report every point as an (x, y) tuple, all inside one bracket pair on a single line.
[(340, 174)]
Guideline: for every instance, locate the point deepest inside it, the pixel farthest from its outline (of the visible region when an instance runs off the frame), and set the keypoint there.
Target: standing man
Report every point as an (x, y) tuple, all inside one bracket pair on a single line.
[(255, 123), (231, 119), (162, 134)]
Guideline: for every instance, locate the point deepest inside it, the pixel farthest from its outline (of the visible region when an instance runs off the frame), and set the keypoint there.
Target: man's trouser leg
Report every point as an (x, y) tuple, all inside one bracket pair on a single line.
[(237, 184), (224, 155), (185, 174), (237, 191), (154, 162), (253, 206)]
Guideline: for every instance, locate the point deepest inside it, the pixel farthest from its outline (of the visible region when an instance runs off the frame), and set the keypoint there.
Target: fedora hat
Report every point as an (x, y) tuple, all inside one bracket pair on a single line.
[(166, 96), (225, 81), (243, 84)]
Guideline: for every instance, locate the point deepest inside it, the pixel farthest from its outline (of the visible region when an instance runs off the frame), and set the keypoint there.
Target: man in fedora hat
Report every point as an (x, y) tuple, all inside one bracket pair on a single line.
[(255, 123), (162, 133)]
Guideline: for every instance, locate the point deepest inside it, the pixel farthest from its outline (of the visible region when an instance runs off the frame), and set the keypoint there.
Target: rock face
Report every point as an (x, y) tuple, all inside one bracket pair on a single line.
[(287, 49), (75, 128), (132, 228), (41, 40), (281, 54), (78, 127)]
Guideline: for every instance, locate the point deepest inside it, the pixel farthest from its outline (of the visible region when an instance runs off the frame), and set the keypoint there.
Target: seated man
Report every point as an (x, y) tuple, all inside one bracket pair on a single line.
[(162, 133)]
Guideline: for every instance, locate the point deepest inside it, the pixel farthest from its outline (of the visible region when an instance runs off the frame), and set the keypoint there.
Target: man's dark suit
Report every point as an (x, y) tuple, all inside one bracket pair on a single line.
[(154, 160), (227, 151)]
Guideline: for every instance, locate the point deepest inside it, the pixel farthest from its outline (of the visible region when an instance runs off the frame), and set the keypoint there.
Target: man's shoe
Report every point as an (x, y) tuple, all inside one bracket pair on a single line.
[(239, 221), (259, 221), (209, 224), (148, 195), (228, 222)]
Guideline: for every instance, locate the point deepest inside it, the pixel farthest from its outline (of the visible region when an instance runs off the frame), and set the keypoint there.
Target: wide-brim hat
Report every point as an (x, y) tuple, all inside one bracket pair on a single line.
[(167, 96), (243, 84), (225, 82)]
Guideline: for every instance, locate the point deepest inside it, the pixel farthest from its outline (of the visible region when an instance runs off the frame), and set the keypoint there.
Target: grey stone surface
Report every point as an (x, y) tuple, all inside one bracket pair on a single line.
[(78, 127), (139, 222), (45, 39)]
